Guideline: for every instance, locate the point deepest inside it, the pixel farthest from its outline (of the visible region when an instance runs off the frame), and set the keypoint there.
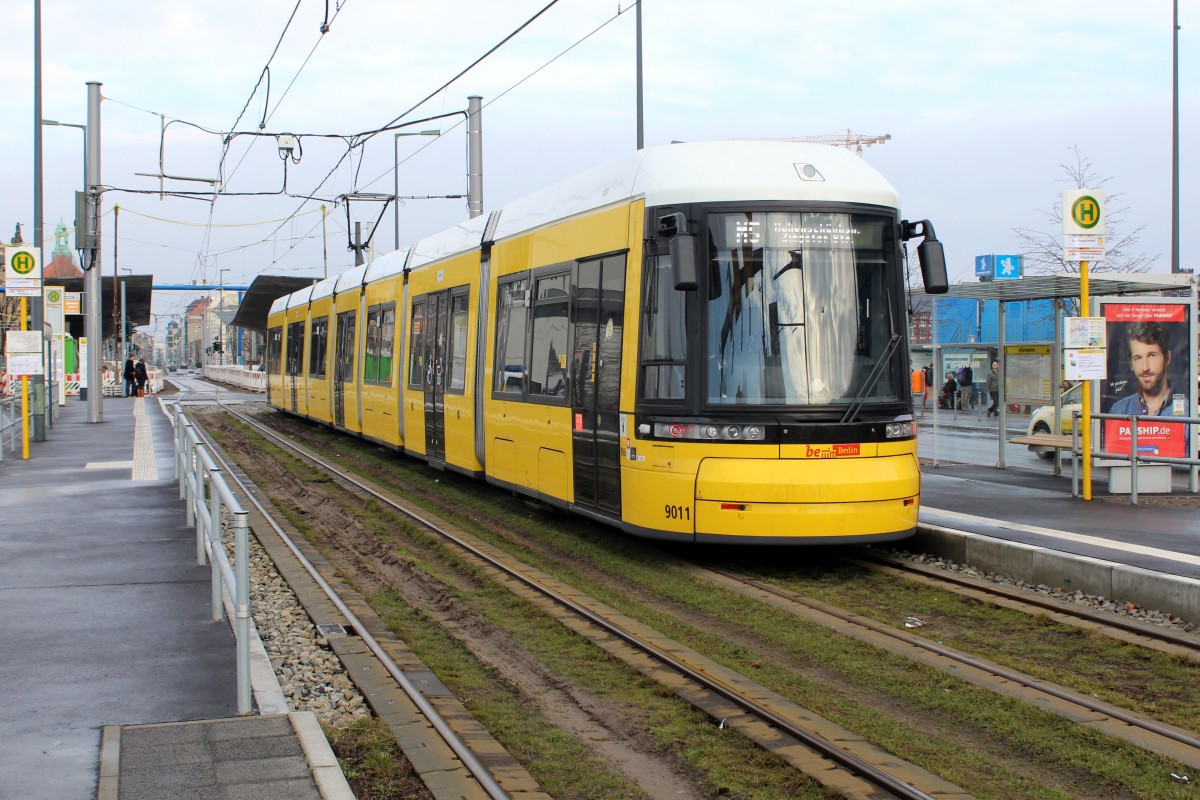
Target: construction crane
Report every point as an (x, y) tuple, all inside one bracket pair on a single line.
[(848, 139)]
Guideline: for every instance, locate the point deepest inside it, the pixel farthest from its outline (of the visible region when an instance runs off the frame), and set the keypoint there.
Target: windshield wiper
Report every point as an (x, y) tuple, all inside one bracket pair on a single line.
[(872, 378)]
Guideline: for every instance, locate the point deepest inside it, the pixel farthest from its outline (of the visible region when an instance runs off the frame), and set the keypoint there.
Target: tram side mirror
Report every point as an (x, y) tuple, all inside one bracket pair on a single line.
[(933, 266), (682, 245), (929, 254), (683, 262)]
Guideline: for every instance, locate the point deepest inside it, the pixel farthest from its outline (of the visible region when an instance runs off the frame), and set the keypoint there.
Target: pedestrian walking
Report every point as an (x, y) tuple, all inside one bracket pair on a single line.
[(141, 376), (130, 376), (993, 389)]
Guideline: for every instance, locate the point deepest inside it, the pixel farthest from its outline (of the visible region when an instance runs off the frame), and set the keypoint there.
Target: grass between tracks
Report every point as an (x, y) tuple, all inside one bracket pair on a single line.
[(728, 763), (373, 763), (720, 761), (992, 746)]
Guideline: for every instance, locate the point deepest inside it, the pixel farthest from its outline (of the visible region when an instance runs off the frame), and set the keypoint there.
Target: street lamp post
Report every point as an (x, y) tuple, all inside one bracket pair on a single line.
[(396, 174), (220, 307), (78, 225), (1175, 266), (124, 337), (83, 128)]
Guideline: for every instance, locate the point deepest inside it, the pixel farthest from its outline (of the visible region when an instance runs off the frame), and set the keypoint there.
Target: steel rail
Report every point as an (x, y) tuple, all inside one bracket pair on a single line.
[(452, 740), (1018, 678), (1128, 626), (815, 742)]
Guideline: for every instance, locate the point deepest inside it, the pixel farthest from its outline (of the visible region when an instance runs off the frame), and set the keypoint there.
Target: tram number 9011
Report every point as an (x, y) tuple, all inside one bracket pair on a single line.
[(678, 512)]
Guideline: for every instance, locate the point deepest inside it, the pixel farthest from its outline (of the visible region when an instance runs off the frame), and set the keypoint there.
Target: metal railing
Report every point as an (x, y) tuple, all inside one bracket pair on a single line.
[(10, 422), (1133, 456), (204, 488)]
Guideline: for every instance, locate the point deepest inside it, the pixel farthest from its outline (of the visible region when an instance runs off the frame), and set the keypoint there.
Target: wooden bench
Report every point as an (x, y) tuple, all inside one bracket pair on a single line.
[(1061, 441)]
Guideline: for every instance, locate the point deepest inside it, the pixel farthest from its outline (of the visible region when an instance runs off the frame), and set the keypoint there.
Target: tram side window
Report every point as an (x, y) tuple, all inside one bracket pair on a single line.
[(548, 362), (511, 316), (274, 349), (318, 345), (387, 342), (416, 347), (295, 348), (343, 370), (664, 333), (377, 366), (458, 343)]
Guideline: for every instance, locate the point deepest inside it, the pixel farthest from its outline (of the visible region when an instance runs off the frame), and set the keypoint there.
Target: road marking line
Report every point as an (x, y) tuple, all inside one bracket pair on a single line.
[(1079, 538)]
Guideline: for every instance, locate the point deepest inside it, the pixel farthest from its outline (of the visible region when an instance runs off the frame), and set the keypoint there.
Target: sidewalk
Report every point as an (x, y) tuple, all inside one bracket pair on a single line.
[(107, 616)]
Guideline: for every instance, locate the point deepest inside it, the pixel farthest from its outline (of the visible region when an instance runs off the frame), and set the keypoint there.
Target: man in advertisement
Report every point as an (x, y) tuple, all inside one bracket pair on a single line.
[(1148, 353), (1149, 357)]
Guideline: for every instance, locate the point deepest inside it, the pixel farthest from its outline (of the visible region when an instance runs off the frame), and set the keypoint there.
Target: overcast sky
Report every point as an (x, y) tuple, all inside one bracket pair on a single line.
[(983, 102)]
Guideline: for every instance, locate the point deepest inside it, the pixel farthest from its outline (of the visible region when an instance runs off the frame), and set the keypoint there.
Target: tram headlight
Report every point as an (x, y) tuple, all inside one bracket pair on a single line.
[(754, 432), (899, 430)]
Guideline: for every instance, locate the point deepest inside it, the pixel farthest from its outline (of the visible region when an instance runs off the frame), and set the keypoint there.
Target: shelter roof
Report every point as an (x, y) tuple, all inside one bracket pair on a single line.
[(256, 302), (138, 291), (1045, 287)]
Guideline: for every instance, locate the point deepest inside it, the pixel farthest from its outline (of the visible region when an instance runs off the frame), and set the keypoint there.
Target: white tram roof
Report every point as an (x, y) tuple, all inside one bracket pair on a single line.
[(387, 265), (300, 297), (462, 237), (296, 298), (324, 287), (350, 279), (695, 172), (689, 172)]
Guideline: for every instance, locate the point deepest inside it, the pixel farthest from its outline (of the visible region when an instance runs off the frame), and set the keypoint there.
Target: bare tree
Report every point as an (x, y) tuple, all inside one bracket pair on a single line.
[(1043, 251)]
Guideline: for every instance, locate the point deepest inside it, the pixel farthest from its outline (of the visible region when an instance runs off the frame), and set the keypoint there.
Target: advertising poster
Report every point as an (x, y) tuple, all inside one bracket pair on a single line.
[(1149, 374)]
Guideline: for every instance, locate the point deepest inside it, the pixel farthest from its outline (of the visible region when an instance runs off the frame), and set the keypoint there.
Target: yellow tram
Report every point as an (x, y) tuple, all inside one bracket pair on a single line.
[(697, 342)]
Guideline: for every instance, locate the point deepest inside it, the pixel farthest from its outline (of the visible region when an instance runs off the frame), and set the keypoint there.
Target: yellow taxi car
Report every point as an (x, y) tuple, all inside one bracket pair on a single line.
[(1042, 419)]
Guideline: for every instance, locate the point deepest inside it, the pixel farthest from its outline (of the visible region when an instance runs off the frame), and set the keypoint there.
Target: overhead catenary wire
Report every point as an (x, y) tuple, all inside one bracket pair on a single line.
[(363, 138), (355, 140), (215, 224), (352, 141), (325, 27), (495, 99), (267, 66)]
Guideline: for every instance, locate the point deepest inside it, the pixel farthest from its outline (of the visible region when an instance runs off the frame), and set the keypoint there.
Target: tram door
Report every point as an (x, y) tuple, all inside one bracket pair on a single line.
[(274, 358), (597, 315), (295, 357), (437, 343), (343, 368)]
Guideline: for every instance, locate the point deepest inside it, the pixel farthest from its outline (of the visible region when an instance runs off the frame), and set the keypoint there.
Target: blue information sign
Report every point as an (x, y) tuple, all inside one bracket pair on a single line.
[(983, 266), (1008, 267)]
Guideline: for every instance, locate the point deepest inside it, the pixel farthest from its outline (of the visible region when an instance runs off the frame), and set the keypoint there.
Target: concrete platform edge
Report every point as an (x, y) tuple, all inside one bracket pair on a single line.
[(327, 772), (110, 763), (1158, 591)]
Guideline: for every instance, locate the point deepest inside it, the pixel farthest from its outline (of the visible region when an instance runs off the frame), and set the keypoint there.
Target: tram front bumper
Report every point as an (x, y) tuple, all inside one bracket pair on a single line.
[(861, 499)]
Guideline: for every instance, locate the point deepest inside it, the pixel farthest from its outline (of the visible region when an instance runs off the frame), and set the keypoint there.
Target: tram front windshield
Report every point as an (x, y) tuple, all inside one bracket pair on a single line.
[(800, 309)]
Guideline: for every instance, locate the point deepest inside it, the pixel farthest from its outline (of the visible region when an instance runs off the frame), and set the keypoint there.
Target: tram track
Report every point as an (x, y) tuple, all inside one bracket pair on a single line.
[(1134, 631), (830, 754), (1174, 744), (1166, 740), (478, 777)]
